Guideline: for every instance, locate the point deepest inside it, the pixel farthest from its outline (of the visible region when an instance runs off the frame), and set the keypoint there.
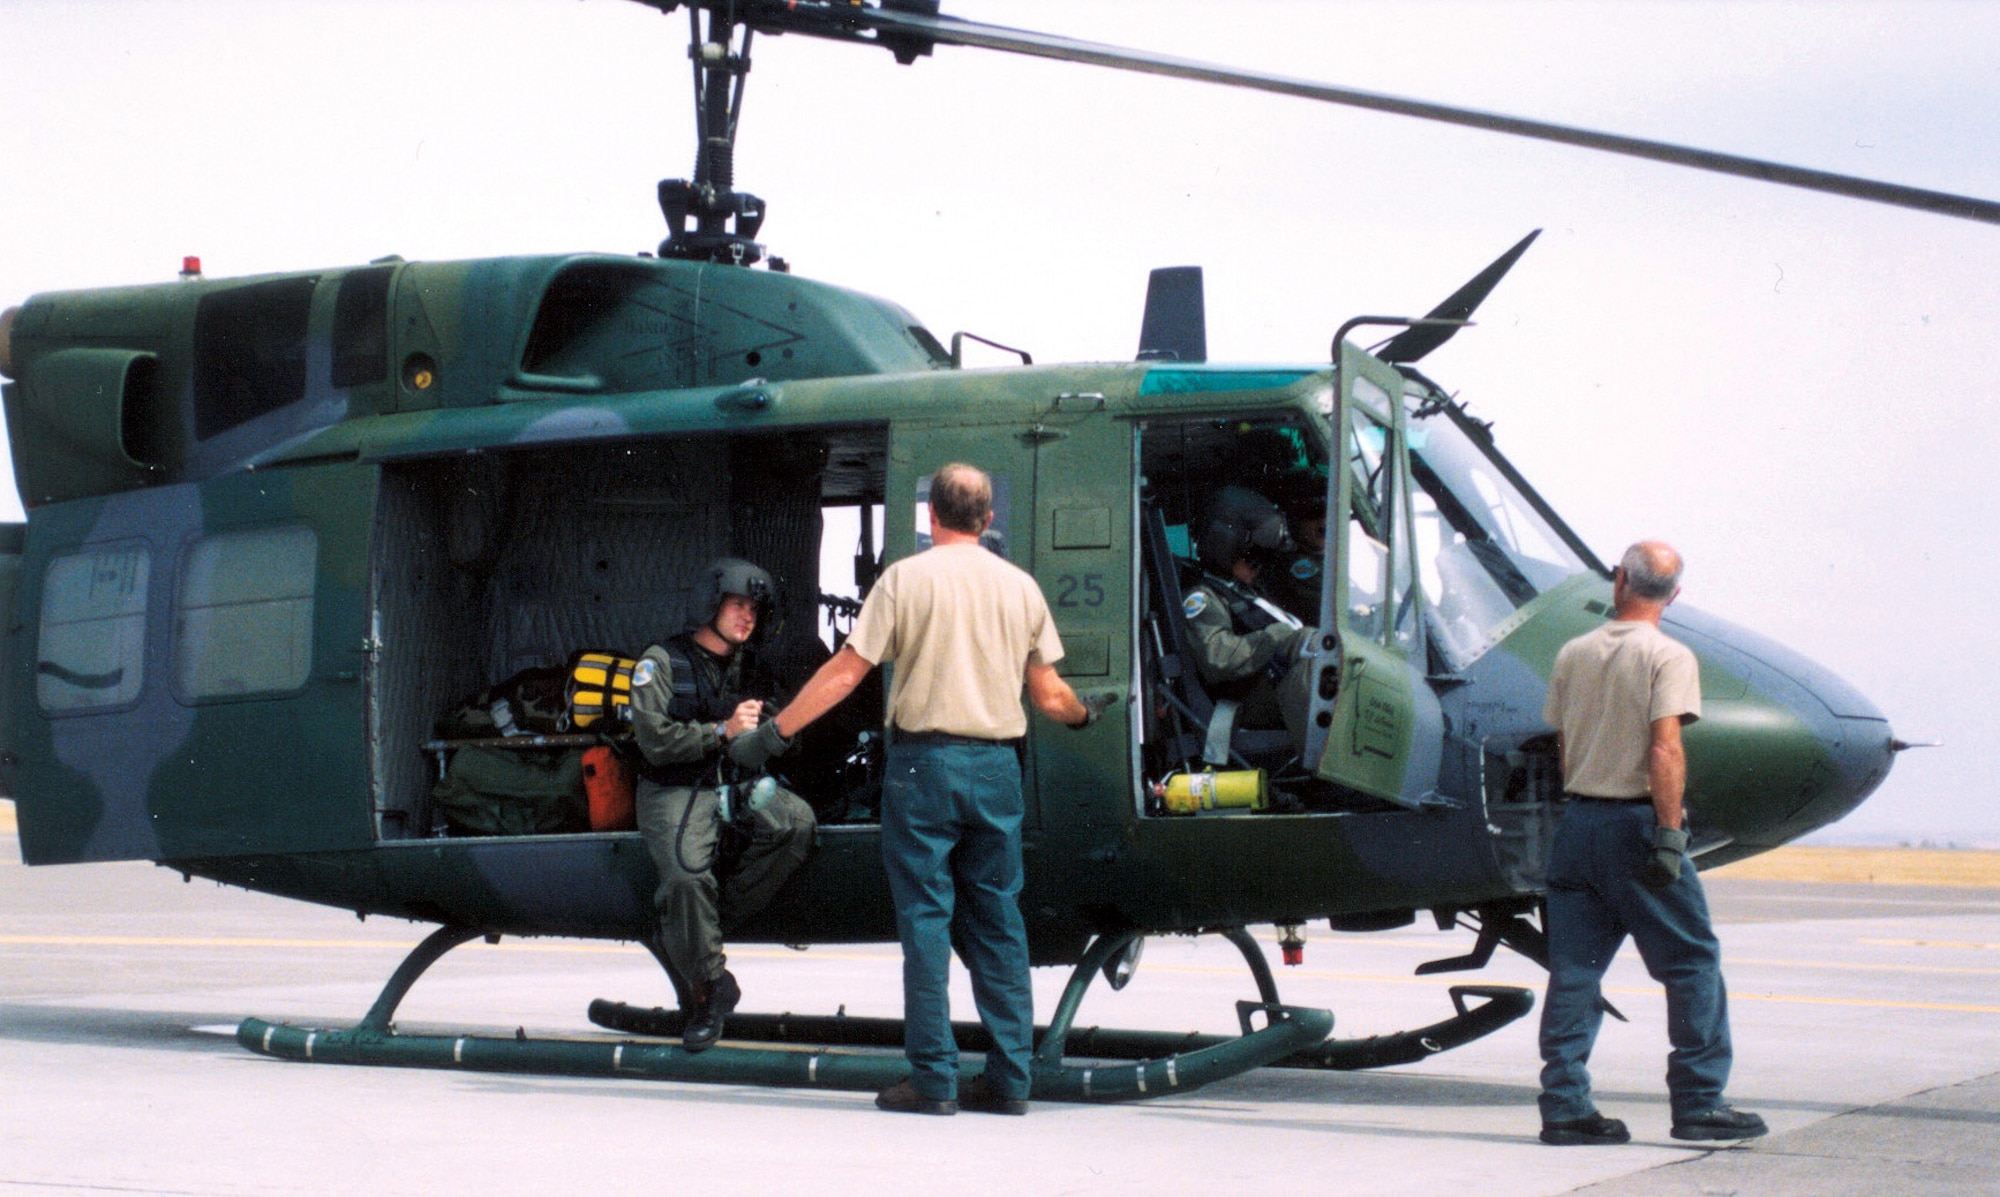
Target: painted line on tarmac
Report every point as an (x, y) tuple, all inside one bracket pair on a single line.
[(1852, 966), (1866, 900), (178, 941), (1870, 1003), (1375, 978), (369, 945), (1443, 982), (1931, 943)]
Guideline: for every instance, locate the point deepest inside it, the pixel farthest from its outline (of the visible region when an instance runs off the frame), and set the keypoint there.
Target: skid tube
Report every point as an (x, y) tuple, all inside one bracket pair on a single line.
[(1498, 1006), (1288, 1030)]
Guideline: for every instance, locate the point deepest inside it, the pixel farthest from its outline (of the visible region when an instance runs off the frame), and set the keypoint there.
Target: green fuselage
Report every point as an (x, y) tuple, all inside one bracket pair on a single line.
[(277, 526)]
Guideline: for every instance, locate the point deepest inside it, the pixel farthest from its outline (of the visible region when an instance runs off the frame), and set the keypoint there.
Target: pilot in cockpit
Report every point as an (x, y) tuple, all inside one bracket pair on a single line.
[(1247, 649)]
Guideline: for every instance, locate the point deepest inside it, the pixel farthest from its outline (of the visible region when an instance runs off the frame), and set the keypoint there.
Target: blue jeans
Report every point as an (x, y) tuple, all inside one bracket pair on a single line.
[(951, 843), (1595, 901)]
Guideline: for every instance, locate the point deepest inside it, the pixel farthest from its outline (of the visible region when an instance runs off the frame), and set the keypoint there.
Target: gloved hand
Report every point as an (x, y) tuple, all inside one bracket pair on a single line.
[(754, 749), (1663, 867), (1094, 706), (1296, 642)]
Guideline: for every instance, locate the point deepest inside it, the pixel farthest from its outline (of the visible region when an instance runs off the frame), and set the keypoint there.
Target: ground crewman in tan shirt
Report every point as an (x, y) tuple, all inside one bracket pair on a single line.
[(1618, 697), (967, 631)]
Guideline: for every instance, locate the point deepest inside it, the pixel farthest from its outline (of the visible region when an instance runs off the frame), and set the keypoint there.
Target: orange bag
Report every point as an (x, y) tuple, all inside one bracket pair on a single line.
[(608, 785)]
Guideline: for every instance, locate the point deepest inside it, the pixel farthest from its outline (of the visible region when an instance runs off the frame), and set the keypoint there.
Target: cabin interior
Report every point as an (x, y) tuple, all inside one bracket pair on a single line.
[(491, 564)]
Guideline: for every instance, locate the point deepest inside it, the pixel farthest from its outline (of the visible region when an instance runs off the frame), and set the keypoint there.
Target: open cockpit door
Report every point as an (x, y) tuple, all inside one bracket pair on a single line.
[(185, 669), (1374, 723)]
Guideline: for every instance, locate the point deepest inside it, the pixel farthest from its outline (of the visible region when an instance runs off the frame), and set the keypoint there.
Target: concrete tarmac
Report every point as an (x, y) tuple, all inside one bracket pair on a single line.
[(1866, 1019)]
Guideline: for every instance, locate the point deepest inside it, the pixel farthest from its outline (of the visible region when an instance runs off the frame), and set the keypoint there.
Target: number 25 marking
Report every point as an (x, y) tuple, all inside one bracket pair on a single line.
[(1089, 592)]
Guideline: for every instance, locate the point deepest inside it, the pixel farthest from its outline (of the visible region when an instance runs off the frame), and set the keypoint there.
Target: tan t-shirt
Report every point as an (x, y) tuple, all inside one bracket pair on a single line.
[(961, 623), (1607, 688)]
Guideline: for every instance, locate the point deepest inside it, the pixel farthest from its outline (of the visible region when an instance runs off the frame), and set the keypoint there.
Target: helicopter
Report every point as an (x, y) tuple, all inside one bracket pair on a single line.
[(260, 511)]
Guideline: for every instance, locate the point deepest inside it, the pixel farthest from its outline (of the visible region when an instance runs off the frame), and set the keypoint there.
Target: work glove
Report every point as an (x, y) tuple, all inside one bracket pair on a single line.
[(754, 749), (1094, 706), (1663, 867)]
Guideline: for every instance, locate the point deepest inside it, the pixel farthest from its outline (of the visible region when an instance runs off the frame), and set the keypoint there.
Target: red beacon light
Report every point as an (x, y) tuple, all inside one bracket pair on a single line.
[(191, 267), (1292, 943)]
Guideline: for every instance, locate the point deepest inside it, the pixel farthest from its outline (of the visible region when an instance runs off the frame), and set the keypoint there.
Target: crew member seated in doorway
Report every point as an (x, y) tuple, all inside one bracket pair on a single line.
[(1247, 649), (690, 697)]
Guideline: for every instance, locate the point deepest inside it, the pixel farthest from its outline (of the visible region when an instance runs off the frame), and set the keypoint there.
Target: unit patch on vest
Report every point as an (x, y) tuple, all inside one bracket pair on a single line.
[(642, 674), (1196, 603), (1305, 569)]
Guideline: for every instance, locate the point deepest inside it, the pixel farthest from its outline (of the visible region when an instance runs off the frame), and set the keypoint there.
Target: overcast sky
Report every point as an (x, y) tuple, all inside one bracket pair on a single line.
[(1797, 390)]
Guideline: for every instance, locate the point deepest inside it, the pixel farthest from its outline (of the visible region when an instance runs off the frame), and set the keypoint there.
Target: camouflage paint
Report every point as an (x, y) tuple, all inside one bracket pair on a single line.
[(272, 792)]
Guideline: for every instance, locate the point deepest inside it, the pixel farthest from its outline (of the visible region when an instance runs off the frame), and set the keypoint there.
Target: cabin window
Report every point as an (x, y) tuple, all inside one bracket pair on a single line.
[(93, 644), (249, 352), (246, 614), (1381, 570)]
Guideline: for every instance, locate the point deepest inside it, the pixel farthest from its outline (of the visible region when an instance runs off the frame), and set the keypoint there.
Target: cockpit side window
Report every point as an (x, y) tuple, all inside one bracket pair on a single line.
[(1483, 549)]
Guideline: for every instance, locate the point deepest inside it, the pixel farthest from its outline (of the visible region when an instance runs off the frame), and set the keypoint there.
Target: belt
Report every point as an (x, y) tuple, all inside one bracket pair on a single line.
[(898, 736), (1613, 801)]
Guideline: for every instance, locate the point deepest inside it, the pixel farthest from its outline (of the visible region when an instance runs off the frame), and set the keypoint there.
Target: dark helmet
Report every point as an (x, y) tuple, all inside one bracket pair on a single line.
[(1241, 524), (732, 575)]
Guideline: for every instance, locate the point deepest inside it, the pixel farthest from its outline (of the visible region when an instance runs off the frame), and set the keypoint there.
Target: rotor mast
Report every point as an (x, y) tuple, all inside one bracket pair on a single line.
[(708, 220)]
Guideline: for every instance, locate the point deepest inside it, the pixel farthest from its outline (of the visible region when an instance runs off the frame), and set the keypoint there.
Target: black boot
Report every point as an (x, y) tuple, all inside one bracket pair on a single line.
[(710, 1004)]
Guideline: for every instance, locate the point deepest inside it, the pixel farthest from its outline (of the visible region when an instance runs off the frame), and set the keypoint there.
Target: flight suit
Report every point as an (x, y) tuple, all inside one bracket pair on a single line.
[(676, 707), (1244, 653)]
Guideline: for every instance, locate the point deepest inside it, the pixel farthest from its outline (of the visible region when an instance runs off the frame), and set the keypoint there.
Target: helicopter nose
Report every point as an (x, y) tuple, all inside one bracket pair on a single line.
[(1857, 757), (1784, 746)]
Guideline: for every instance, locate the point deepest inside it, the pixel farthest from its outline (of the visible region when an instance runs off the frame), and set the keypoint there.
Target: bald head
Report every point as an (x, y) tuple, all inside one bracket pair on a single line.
[(962, 498), (1652, 571)]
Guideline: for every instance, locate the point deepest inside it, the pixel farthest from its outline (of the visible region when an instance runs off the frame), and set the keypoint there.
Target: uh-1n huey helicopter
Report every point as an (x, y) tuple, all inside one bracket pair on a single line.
[(278, 525)]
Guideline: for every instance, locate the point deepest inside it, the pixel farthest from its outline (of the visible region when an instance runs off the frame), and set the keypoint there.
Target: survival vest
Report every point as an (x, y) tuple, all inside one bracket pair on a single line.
[(702, 693)]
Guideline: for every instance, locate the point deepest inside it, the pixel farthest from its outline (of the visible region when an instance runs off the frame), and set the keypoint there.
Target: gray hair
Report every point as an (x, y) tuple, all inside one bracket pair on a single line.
[(1652, 570)]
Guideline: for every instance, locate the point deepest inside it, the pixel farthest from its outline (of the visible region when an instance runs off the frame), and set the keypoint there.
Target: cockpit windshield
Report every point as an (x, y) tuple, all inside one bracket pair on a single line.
[(1483, 549)]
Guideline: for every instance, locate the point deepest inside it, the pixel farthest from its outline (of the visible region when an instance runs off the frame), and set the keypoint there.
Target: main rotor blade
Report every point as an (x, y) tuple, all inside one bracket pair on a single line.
[(917, 28), (1414, 342)]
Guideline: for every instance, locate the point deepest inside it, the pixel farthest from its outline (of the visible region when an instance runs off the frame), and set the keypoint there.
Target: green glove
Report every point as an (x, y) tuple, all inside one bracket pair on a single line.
[(754, 749), (1663, 867)]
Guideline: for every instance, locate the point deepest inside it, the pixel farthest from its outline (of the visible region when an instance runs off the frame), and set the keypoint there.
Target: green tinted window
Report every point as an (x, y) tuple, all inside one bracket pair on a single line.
[(93, 643), (246, 613)]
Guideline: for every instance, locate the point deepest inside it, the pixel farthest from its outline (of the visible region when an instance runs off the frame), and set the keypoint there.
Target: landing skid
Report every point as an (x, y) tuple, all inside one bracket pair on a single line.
[(1498, 1006), (1287, 1031), (1125, 1064)]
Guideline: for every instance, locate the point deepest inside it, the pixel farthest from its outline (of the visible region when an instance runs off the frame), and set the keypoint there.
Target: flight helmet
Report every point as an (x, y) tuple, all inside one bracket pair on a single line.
[(1240, 524), (733, 575)]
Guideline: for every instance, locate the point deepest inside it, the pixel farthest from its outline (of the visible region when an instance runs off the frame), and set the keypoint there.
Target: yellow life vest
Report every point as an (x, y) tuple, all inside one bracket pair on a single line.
[(599, 684)]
